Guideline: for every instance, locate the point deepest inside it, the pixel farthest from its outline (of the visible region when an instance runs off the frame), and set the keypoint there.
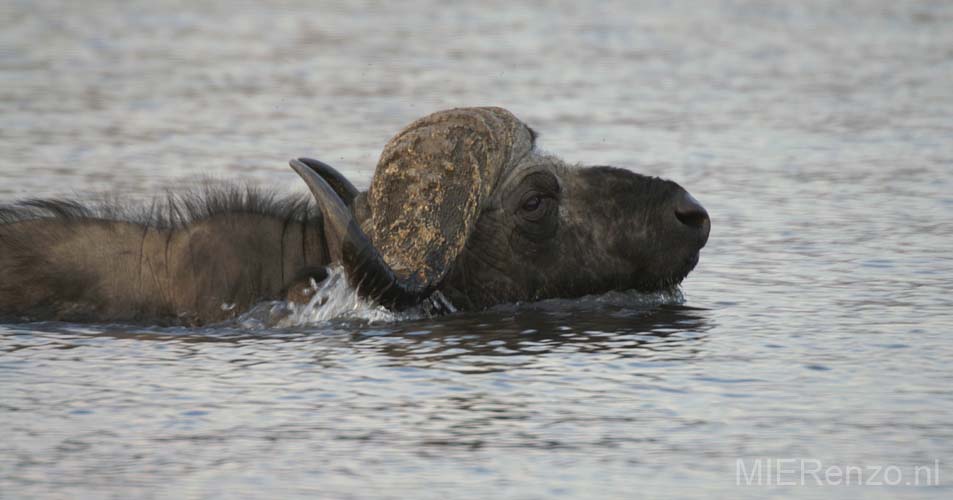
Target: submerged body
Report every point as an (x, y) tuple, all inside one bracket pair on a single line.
[(461, 203), (66, 262)]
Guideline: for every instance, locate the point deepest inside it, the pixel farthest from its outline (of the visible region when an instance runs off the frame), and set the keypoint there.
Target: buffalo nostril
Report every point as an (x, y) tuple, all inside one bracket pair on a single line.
[(690, 212)]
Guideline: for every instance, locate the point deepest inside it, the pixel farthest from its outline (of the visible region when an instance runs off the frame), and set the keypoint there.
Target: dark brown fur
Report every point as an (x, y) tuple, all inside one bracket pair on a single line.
[(193, 258)]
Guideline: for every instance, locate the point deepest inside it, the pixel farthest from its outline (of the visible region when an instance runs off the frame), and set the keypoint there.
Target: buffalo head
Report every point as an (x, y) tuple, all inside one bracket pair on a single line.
[(462, 203)]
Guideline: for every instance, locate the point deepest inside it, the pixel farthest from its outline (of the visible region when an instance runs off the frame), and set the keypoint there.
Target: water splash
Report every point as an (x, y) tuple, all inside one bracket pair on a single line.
[(331, 299)]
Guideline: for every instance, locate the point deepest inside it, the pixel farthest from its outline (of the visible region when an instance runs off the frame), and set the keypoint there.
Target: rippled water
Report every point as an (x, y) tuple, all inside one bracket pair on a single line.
[(819, 135)]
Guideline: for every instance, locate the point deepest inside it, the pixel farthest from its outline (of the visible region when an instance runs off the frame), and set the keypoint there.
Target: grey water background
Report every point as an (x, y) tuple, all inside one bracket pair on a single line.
[(817, 325)]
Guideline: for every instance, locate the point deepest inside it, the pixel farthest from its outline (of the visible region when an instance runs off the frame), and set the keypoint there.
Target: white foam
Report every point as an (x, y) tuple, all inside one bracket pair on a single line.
[(332, 299)]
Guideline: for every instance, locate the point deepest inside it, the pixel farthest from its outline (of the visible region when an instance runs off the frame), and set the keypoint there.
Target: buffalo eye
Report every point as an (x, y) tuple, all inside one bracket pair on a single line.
[(533, 203), (535, 207), (536, 199)]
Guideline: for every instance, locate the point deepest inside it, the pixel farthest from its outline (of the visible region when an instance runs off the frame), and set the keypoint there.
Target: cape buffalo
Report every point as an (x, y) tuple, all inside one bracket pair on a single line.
[(461, 203)]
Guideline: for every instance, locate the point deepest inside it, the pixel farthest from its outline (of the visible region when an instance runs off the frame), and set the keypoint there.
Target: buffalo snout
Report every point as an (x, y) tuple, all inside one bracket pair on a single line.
[(692, 216)]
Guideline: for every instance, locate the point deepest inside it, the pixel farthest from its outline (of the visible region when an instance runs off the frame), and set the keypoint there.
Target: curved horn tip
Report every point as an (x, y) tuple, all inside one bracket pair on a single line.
[(328, 200), (338, 182)]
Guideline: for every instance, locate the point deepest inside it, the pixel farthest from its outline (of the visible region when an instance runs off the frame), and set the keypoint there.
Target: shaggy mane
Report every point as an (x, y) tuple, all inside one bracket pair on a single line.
[(170, 211)]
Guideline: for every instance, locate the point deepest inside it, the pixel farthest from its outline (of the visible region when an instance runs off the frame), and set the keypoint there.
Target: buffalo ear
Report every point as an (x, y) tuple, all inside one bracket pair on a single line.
[(343, 187), (431, 182)]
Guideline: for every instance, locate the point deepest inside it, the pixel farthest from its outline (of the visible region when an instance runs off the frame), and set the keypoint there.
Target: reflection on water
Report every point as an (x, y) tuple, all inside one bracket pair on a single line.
[(816, 325), (501, 341), (346, 395)]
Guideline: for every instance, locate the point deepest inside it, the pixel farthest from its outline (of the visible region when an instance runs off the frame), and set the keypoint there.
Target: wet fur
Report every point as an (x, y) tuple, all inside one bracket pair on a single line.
[(171, 211), (174, 260)]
